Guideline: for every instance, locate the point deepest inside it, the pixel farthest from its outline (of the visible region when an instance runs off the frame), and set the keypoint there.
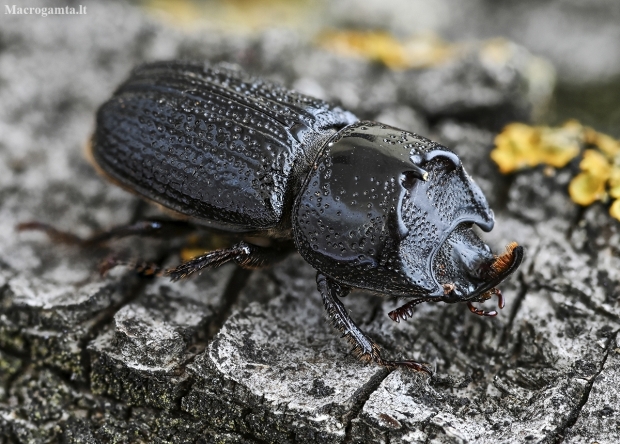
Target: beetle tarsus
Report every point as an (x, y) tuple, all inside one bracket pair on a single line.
[(62, 237), (413, 365)]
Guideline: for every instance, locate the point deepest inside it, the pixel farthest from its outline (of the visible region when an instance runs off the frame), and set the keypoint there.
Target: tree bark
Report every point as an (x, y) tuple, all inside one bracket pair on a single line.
[(240, 357)]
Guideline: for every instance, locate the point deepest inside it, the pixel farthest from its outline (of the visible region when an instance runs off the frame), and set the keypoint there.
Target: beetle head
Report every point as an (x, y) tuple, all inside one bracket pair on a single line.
[(448, 203)]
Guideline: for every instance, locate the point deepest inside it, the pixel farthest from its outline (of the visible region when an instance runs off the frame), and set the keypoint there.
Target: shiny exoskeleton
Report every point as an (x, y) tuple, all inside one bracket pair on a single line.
[(367, 205)]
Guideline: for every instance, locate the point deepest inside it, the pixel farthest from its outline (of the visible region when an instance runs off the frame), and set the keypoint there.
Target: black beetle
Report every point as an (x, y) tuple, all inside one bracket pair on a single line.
[(367, 205)]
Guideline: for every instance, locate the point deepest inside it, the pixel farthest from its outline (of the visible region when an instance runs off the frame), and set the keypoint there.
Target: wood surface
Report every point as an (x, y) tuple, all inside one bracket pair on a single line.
[(240, 357)]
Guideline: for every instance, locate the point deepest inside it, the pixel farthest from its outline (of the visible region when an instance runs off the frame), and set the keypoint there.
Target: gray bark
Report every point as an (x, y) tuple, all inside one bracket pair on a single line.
[(239, 357)]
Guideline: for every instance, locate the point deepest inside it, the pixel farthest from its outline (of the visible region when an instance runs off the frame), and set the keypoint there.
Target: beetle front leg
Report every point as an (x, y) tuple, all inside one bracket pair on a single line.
[(244, 254), (331, 291)]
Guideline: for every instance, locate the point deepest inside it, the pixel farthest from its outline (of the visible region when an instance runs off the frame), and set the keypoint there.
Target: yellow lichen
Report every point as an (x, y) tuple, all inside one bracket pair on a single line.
[(190, 253), (614, 210), (373, 45), (521, 146), (238, 16), (197, 245), (605, 143), (600, 173), (589, 185), (614, 182), (380, 46)]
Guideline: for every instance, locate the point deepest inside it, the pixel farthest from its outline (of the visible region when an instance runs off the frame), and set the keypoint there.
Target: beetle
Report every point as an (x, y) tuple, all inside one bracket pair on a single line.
[(369, 206)]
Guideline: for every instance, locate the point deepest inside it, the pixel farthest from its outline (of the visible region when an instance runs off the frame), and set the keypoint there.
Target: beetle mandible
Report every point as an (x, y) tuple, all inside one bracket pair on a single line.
[(369, 206)]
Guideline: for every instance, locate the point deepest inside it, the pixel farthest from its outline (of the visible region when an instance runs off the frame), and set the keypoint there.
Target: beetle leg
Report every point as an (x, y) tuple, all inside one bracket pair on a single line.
[(244, 254), (151, 227), (365, 348)]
